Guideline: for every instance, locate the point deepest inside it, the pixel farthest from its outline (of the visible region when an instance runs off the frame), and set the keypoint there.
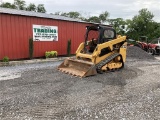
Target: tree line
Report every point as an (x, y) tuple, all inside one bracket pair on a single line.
[(140, 25), (21, 5)]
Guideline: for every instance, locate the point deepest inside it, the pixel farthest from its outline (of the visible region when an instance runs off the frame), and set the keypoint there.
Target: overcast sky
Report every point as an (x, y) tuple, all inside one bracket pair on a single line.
[(116, 8)]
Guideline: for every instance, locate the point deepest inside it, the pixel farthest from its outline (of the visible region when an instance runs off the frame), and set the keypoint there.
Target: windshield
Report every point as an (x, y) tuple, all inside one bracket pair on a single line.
[(108, 34)]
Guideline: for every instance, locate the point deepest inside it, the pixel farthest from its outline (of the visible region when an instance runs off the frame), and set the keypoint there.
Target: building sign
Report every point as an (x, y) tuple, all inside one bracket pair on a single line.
[(45, 33)]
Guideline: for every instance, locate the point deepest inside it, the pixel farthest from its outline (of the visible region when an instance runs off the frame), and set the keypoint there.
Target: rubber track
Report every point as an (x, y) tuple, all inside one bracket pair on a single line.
[(105, 61)]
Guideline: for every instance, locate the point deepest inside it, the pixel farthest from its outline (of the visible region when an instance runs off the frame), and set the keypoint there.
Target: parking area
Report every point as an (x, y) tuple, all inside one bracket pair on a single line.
[(40, 92)]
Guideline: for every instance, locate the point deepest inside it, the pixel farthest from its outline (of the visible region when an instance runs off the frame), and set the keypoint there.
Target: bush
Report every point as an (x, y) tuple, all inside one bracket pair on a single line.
[(31, 48), (69, 47), (51, 54), (47, 54), (5, 59)]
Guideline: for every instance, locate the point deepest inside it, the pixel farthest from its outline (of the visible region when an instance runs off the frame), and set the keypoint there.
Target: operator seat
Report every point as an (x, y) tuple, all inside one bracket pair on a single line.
[(93, 45)]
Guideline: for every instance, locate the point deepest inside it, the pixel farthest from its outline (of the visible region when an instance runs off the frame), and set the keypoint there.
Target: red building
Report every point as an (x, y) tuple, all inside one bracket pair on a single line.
[(16, 27)]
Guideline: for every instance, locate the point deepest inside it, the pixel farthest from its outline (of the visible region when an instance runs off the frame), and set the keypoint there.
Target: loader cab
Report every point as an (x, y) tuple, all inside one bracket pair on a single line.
[(107, 34), (98, 35)]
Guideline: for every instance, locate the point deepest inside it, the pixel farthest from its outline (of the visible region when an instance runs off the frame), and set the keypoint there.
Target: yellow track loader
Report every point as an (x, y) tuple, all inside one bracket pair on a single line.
[(101, 51)]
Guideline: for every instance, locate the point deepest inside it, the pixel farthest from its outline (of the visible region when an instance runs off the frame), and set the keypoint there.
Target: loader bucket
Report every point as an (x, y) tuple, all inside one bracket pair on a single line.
[(77, 67)]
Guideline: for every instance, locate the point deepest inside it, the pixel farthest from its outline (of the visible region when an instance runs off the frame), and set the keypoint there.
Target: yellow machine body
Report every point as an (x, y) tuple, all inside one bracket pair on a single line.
[(89, 63)]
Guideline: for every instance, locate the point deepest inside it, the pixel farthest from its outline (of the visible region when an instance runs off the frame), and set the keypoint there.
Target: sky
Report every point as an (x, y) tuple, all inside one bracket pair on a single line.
[(125, 9)]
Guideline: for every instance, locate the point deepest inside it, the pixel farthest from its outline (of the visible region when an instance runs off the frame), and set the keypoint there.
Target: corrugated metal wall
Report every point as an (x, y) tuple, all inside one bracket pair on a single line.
[(15, 32), (0, 36)]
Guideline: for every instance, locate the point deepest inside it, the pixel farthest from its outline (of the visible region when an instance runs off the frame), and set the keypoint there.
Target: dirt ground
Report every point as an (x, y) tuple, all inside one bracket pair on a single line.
[(40, 92)]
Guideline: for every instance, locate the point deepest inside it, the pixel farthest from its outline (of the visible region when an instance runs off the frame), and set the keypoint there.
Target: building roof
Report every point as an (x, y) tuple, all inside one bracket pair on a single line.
[(36, 14)]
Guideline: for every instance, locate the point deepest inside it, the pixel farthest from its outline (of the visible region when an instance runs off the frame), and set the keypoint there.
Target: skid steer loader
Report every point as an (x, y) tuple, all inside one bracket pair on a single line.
[(101, 51)]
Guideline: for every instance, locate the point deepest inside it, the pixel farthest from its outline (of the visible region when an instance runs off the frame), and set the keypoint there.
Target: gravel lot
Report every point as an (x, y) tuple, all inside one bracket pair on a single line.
[(40, 92)]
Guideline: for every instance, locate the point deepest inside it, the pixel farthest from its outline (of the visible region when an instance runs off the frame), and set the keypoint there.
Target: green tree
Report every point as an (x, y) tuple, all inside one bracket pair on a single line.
[(74, 15), (155, 28), (94, 19), (141, 25), (8, 5), (57, 13), (20, 4), (31, 7), (71, 14), (104, 17), (64, 14), (41, 8), (119, 25)]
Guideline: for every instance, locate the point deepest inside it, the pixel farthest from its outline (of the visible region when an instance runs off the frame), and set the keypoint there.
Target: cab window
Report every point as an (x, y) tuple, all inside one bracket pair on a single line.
[(108, 34)]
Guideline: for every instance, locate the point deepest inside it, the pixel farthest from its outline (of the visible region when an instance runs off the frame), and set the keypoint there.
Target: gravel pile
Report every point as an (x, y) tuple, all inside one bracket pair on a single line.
[(137, 53)]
